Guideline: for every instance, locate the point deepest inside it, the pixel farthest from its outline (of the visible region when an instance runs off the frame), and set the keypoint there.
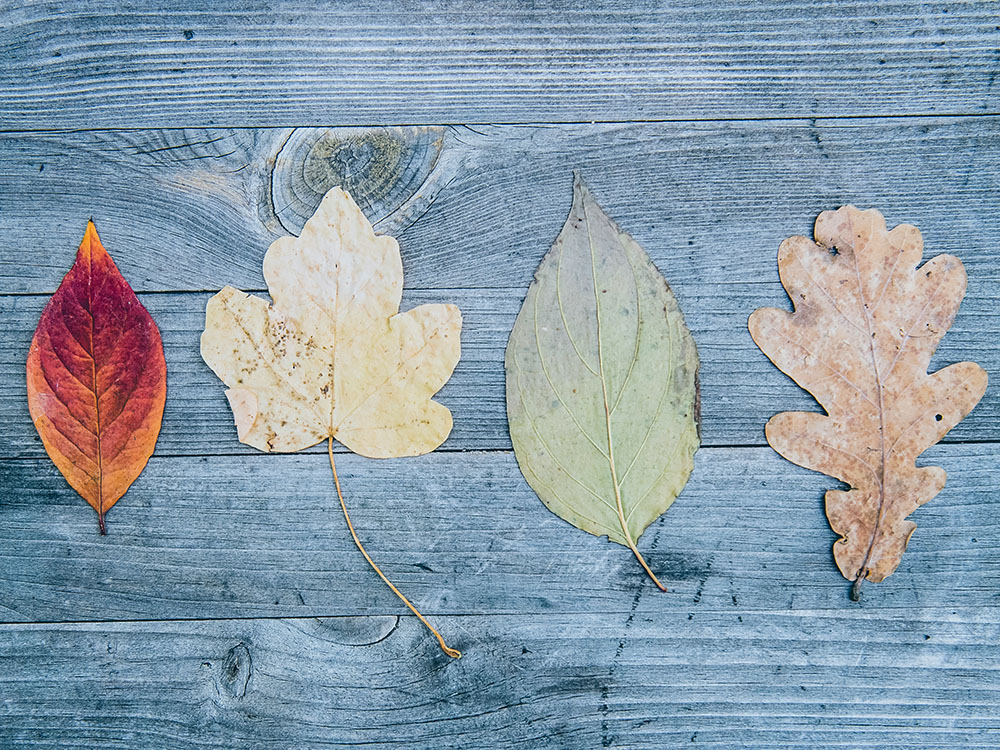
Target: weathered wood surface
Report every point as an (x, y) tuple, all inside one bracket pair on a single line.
[(105, 64), (798, 681), (238, 536), (195, 209), (229, 608), (741, 389)]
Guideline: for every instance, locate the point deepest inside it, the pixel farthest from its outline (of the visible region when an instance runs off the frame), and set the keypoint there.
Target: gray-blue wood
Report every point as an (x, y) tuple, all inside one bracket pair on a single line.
[(228, 607), (238, 536), (741, 389), (839, 680), (195, 209), (102, 63)]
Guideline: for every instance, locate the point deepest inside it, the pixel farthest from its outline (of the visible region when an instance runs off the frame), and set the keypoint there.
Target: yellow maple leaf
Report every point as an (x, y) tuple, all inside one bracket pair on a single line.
[(332, 357)]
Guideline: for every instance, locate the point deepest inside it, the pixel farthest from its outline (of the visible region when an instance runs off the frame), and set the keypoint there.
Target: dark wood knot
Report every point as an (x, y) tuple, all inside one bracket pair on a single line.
[(388, 171), (235, 672)]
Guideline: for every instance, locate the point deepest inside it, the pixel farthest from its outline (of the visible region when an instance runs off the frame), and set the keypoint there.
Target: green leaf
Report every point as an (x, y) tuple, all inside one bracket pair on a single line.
[(602, 382)]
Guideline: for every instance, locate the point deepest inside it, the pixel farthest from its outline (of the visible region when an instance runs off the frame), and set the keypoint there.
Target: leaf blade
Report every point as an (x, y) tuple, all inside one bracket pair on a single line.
[(332, 356), (96, 378), (598, 324), (862, 303)]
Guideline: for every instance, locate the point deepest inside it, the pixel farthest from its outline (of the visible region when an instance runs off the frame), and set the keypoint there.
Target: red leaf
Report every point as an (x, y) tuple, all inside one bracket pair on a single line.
[(97, 379)]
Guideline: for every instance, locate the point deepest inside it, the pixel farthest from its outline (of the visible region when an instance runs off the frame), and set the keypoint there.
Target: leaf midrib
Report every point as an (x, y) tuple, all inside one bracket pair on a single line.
[(884, 454), (862, 571), (93, 370), (604, 382)]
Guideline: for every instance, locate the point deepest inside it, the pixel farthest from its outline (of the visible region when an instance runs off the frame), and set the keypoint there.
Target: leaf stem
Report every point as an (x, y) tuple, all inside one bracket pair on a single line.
[(102, 527), (856, 588), (454, 653), (628, 537)]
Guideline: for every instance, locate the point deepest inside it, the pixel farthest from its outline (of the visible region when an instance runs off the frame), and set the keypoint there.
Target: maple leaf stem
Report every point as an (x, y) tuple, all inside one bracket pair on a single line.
[(101, 525), (454, 653)]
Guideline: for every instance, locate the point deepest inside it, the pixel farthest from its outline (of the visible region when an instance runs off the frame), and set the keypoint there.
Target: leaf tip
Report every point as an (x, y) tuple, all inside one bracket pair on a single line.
[(580, 195), (91, 242)]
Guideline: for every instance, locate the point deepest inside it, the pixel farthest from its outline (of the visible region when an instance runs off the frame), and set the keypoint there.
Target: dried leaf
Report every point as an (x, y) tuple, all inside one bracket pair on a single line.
[(866, 322), (97, 379), (602, 393), (332, 357)]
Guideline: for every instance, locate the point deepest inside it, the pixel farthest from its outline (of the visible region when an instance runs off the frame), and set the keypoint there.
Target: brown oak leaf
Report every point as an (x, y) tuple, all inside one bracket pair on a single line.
[(867, 320)]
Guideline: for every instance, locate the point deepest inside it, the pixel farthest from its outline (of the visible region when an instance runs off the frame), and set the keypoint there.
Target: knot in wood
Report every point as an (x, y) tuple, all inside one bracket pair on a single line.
[(383, 169), (234, 673)]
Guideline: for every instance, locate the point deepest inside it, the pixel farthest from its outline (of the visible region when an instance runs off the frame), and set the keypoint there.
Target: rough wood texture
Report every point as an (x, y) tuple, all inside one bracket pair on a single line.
[(234, 536), (797, 681), (489, 206), (102, 64), (195, 209), (566, 645)]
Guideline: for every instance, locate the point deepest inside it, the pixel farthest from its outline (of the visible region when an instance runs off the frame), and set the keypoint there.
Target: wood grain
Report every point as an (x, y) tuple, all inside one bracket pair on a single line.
[(886, 680), (394, 174), (462, 533), (102, 64), (195, 209), (228, 607)]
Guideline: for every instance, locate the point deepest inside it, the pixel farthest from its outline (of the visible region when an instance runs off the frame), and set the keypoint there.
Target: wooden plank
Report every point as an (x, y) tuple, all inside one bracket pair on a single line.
[(878, 679), (462, 533), (741, 389), (195, 209), (99, 64)]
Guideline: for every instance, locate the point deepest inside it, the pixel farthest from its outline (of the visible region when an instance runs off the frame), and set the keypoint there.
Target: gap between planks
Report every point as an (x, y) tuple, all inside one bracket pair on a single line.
[(935, 614), (340, 449)]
